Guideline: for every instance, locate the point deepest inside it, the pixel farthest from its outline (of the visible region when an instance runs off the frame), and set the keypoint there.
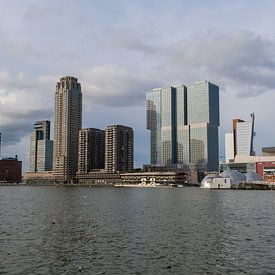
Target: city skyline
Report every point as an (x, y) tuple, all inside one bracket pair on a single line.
[(127, 51)]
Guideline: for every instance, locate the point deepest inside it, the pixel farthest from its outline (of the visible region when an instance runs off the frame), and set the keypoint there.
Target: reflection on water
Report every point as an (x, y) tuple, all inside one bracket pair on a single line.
[(45, 230)]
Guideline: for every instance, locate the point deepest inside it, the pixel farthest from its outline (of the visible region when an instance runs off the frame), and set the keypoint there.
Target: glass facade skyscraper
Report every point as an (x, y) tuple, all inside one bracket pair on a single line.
[(166, 118), (184, 125), (204, 120)]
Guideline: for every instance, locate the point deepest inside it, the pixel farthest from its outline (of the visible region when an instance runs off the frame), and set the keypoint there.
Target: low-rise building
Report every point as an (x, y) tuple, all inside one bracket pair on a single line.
[(98, 177), (45, 177), (10, 170), (153, 178)]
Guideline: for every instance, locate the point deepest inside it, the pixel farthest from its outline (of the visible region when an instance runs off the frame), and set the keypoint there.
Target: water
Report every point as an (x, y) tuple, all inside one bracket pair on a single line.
[(45, 230)]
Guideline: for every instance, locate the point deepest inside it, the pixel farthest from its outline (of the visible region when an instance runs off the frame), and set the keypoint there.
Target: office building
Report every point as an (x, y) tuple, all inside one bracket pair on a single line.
[(68, 120), (91, 152), (204, 120), (167, 121), (184, 125), (41, 148), (119, 148)]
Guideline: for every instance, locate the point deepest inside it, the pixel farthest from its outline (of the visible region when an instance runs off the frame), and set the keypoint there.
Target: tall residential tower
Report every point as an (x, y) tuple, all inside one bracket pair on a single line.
[(119, 148), (91, 152), (68, 121)]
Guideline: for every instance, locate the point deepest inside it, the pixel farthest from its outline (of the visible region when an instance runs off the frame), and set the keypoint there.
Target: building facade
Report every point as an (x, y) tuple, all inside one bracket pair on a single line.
[(41, 148), (91, 152), (244, 137), (184, 125), (167, 121), (204, 120), (10, 170), (68, 121), (119, 148), (229, 147)]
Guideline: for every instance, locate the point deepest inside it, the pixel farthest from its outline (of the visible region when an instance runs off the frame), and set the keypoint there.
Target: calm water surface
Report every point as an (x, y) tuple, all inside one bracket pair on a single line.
[(45, 230)]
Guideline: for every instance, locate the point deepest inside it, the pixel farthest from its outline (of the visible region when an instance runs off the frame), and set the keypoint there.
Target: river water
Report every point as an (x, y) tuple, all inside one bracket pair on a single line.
[(45, 230)]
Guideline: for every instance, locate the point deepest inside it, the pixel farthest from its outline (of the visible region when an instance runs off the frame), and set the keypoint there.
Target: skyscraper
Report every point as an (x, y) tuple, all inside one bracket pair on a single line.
[(119, 148), (68, 120), (229, 147), (204, 120), (184, 125), (91, 153), (41, 148), (167, 121), (242, 137)]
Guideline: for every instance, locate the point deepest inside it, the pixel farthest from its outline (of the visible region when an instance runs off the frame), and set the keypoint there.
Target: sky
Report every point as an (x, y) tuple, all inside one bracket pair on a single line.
[(120, 49)]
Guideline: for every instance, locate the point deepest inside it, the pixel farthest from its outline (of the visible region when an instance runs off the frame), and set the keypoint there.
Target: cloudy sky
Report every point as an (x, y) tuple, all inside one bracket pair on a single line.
[(119, 49)]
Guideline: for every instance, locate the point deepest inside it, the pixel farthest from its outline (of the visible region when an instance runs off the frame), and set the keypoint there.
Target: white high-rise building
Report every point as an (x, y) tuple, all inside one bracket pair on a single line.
[(244, 137), (229, 147), (68, 120)]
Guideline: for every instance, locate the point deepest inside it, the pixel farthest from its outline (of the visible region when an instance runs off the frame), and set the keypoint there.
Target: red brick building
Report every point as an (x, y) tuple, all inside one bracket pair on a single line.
[(10, 170), (266, 170)]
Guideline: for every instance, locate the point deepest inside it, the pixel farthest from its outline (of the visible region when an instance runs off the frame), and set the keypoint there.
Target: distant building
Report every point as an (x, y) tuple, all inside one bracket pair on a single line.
[(229, 147), (268, 151), (10, 170), (244, 137), (204, 120), (240, 141), (167, 121), (91, 152), (119, 148), (41, 148), (184, 125), (68, 121)]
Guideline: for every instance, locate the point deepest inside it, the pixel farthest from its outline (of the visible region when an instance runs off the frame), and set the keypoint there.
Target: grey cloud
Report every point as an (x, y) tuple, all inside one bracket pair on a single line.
[(240, 60), (21, 104), (114, 86)]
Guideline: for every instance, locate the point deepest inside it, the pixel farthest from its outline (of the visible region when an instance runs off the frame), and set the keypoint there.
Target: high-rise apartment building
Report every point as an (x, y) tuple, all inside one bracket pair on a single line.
[(119, 148), (184, 125), (91, 152), (68, 121), (41, 148)]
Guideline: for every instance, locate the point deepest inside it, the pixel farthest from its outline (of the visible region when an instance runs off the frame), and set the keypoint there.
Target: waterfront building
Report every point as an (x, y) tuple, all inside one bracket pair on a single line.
[(184, 125), (167, 122), (41, 148), (119, 148), (91, 152), (244, 137), (68, 121), (154, 178), (10, 170), (268, 151), (229, 147), (204, 120), (240, 141)]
